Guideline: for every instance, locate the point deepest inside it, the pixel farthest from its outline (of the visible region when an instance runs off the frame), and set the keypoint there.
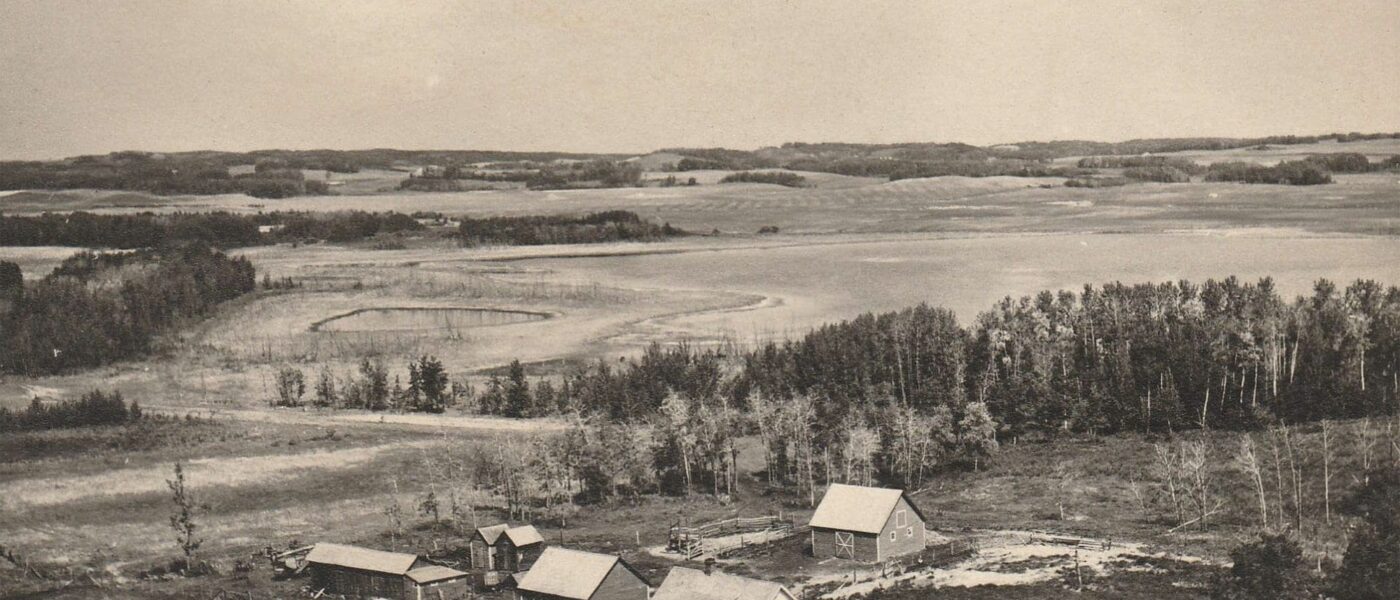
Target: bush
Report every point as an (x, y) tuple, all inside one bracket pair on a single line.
[(1269, 569), (1371, 568)]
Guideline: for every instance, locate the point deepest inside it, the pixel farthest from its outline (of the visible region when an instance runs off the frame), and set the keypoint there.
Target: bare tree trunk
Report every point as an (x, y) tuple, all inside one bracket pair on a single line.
[(1327, 470), (1250, 461), (1297, 472)]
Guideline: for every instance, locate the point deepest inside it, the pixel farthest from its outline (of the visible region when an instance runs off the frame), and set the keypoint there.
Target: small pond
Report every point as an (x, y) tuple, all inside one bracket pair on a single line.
[(423, 319)]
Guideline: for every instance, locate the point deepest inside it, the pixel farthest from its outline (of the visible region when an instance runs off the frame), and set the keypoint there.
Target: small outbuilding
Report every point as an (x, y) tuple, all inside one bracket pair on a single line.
[(690, 584), (518, 548), (436, 583), (505, 548), (364, 573), (483, 546), (563, 574), (866, 524)]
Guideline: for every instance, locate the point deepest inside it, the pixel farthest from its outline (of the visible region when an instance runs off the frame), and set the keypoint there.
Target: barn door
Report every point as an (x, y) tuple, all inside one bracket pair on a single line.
[(845, 544)]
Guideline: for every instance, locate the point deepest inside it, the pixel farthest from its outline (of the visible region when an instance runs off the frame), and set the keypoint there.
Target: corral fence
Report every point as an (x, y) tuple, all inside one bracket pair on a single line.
[(723, 538), (937, 555), (1062, 540)]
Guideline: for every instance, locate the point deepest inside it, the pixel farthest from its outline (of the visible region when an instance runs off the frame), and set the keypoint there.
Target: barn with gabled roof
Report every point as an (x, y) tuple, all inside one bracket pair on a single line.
[(357, 572), (563, 574), (866, 524)]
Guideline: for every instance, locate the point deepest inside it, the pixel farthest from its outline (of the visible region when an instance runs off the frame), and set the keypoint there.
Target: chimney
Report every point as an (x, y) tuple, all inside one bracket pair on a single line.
[(709, 565)]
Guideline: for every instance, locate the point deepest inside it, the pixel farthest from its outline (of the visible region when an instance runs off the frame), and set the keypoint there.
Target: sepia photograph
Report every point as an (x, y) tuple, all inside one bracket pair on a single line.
[(700, 300)]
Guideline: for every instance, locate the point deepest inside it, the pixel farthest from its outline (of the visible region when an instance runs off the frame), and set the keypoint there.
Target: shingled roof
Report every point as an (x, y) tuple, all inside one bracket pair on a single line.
[(857, 508), (492, 533), (689, 584), (354, 557), (524, 535), (434, 573), (565, 573)]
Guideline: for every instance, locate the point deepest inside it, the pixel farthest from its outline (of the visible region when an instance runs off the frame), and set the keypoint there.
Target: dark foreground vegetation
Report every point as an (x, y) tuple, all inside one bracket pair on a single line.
[(593, 228), (96, 309)]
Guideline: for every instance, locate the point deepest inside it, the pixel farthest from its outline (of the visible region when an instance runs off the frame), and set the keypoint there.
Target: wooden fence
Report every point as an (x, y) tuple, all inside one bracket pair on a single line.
[(722, 538), (1081, 543)]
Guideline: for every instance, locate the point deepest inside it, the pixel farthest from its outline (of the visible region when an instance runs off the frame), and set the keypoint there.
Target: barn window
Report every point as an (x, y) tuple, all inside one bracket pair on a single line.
[(901, 518), (892, 538), (909, 532)]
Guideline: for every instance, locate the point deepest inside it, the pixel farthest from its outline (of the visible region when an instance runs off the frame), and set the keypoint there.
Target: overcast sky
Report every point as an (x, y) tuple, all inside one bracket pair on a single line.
[(627, 76)]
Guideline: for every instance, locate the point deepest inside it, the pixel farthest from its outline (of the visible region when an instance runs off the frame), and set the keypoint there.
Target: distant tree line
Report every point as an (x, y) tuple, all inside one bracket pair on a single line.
[(1130, 162), (94, 310), (145, 172), (783, 178), (222, 229), (607, 226), (594, 173), (1296, 172), (93, 408)]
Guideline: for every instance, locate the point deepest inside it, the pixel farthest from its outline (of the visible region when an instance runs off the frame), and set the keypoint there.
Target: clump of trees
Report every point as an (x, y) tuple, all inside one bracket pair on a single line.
[(221, 229), (593, 228), (93, 408), (1295, 172), (1158, 173), (595, 173), (369, 387), (94, 310), (783, 178), (1147, 357)]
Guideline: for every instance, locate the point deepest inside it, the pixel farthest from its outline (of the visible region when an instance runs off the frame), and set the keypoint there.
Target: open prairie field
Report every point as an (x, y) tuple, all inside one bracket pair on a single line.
[(1363, 204)]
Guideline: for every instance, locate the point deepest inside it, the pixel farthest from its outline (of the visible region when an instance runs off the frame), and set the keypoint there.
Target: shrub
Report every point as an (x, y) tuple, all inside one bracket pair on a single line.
[(1271, 568)]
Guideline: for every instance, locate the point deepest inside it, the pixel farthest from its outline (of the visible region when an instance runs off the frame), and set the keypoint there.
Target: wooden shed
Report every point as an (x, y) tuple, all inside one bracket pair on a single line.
[(866, 524), (505, 548), (691, 584), (563, 574), (483, 546), (360, 572), (436, 583), (518, 548)]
